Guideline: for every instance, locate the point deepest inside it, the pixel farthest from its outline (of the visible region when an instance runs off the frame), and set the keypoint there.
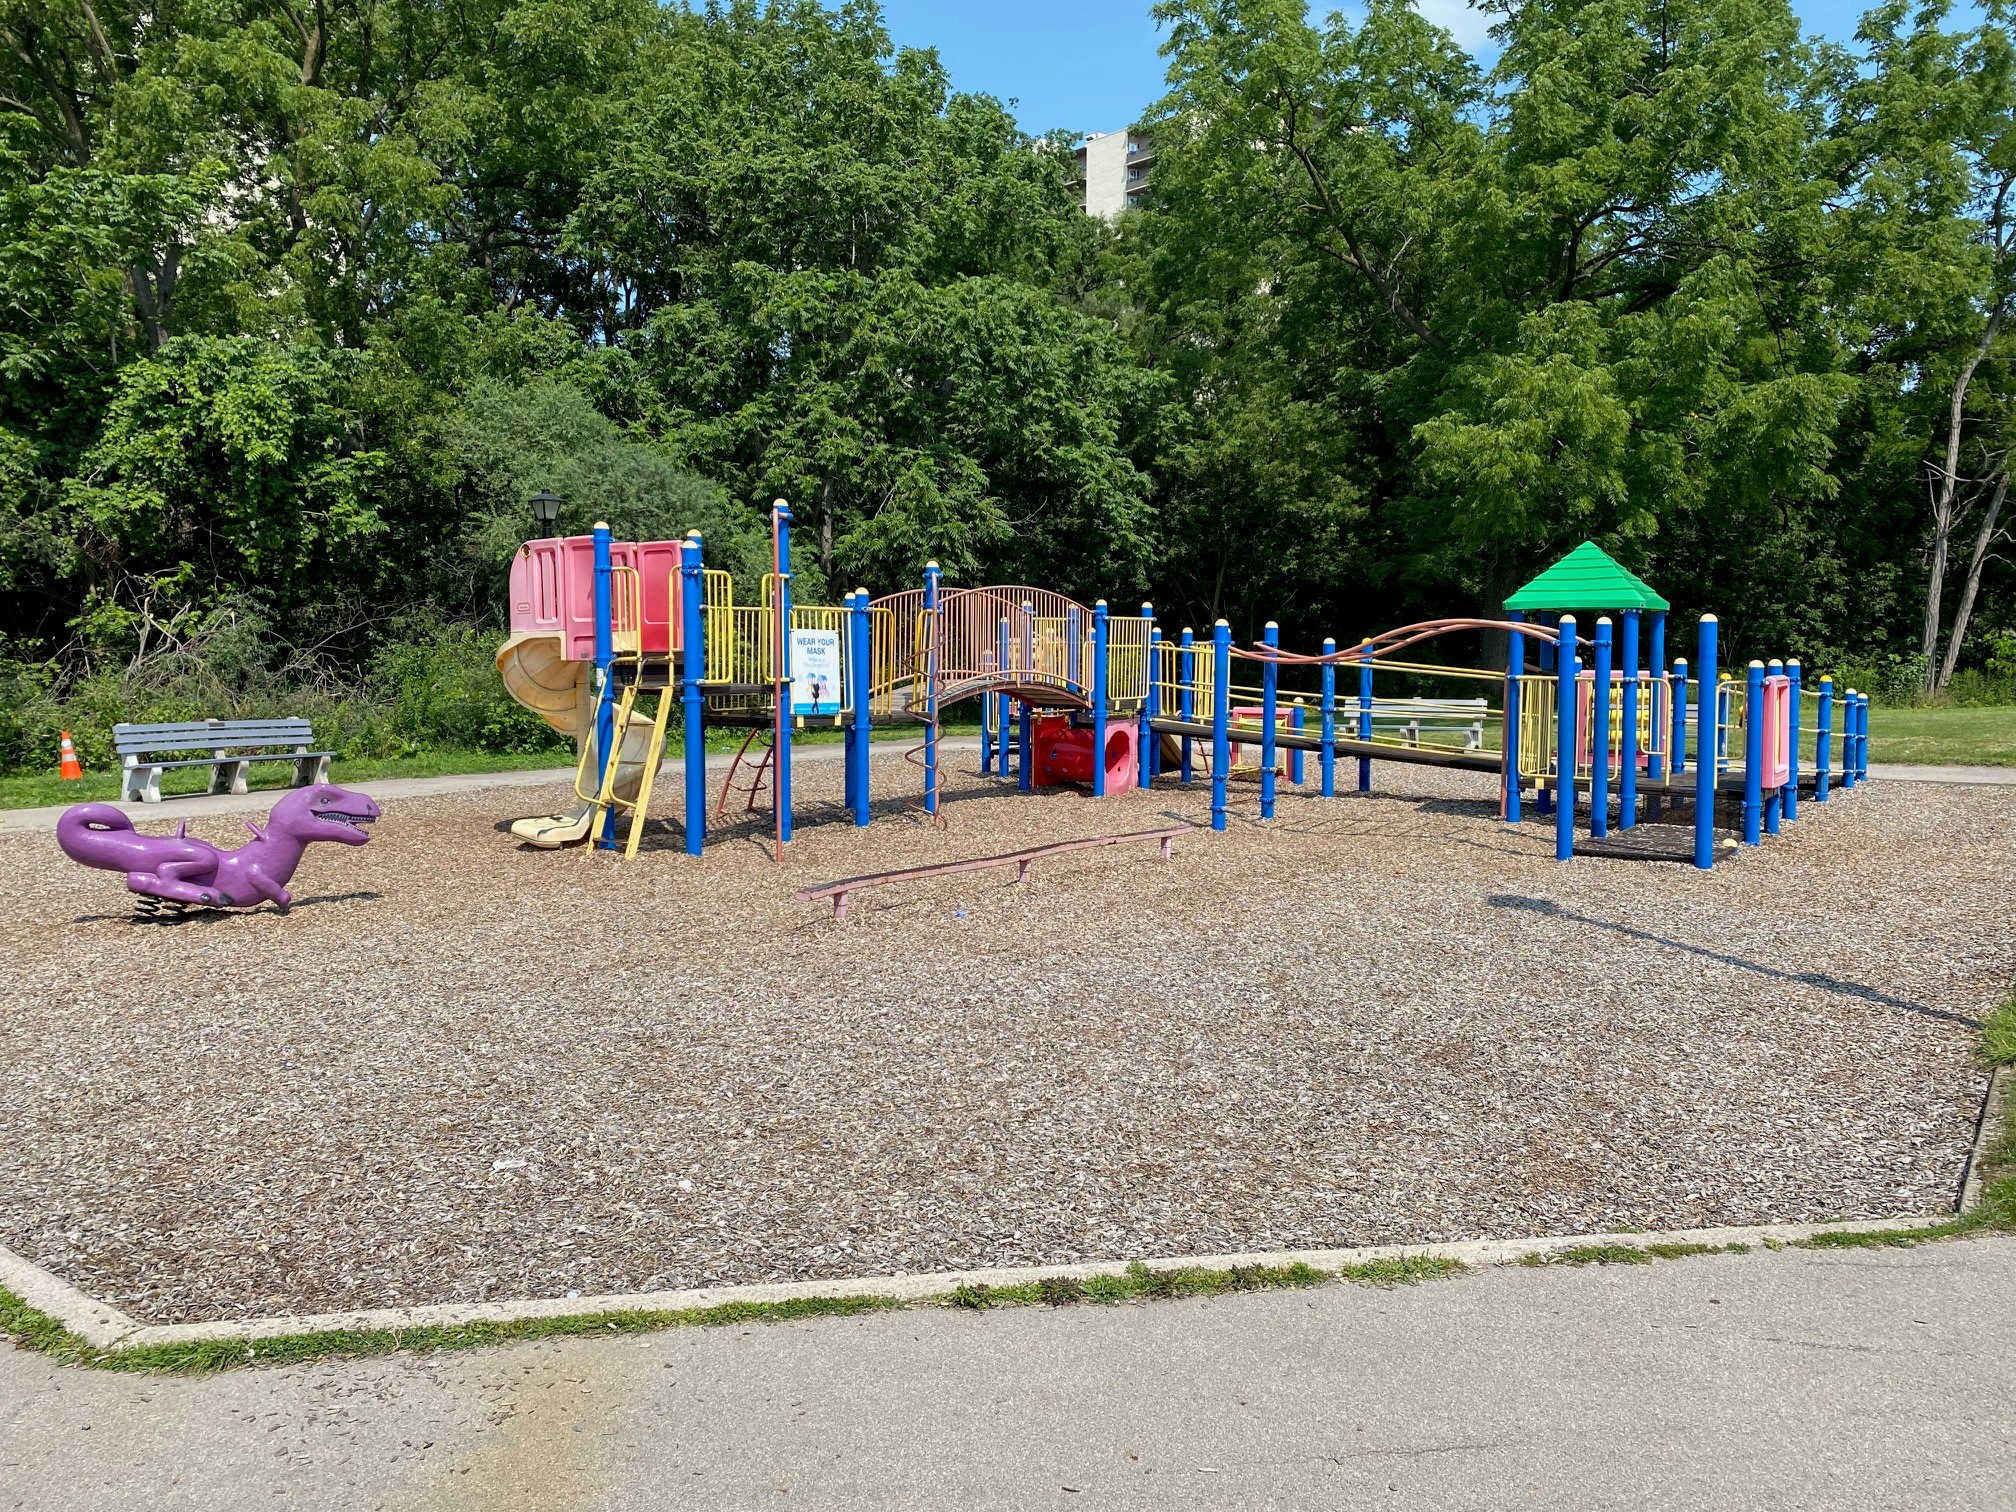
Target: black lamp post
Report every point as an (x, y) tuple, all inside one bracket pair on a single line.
[(546, 510)]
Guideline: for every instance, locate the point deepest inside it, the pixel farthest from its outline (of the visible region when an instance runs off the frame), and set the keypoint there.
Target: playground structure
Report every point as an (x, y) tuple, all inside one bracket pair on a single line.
[(609, 638)]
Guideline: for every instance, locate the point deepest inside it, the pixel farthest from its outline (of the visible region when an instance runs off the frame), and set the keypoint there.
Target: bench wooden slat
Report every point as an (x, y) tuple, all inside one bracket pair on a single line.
[(234, 745)]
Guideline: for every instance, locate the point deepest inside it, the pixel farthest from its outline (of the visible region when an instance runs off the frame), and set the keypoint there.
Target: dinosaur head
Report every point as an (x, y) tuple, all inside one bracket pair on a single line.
[(324, 812)]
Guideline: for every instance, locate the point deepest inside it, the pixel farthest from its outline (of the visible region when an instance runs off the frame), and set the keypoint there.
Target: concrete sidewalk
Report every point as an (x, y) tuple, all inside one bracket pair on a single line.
[(1871, 1378), (196, 806), (1968, 776)]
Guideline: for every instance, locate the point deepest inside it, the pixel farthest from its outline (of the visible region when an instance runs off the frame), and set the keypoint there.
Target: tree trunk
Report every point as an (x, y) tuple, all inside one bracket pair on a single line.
[(1942, 502), (1983, 539)]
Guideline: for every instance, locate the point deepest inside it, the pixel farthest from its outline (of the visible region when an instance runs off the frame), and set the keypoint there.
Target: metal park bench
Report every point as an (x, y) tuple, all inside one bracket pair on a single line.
[(1413, 715), (230, 746)]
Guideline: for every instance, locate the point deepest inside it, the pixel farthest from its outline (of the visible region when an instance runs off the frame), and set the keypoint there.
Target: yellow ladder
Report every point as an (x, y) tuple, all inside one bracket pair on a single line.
[(606, 798)]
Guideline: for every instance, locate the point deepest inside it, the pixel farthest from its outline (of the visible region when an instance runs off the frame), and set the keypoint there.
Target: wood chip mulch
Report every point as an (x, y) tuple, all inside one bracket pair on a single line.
[(459, 1070)]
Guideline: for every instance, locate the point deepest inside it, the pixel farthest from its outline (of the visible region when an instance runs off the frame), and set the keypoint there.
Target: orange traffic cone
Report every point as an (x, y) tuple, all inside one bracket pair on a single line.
[(71, 771)]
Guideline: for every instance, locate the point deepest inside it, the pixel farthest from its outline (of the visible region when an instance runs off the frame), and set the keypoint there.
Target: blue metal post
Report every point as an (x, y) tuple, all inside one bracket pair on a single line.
[(1515, 668), (1823, 741), (1004, 706), (1186, 707), (1848, 740), (931, 581), (851, 682), (1861, 737), (1677, 682), (1150, 639), (1565, 741), (1099, 699), (986, 735), (1599, 735), (1269, 710), (1704, 741), (1298, 717), (1365, 713), (1329, 717), (780, 776), (605, 687), (1655, 760), (861, 622), (1025, 772), (1627, 745), (1797, 719), (1753, 754), (1221, 717), (693, 669)]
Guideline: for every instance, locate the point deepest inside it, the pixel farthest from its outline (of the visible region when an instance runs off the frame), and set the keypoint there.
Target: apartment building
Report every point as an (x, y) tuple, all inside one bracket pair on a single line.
[(1113, 170)]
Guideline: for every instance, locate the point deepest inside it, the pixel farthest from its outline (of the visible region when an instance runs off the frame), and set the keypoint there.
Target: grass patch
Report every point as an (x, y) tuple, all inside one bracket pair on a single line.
[(1407, 1270), (1145, 1283), (1943, 736), (1998, 1035), (40, 1332)]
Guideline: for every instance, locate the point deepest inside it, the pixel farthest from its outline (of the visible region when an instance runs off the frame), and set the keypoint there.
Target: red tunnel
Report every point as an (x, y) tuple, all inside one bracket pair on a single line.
[(1064, 754)]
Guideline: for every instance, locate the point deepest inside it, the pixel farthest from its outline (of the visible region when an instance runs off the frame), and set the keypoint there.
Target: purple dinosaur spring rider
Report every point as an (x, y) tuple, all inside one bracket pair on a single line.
[(173, 873)]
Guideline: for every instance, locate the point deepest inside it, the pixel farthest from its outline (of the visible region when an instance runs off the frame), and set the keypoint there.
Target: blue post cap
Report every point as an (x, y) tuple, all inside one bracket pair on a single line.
[(1602, 619), (1792, 661), (1329, 640), (1828, 678), (1146, 606), (781, 506), (1776, 663), (1756, 663), (601, 525), (1099, 603)]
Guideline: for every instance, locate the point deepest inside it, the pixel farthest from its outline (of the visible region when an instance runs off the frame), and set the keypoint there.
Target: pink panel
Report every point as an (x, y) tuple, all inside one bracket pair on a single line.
[(553, 589), (658, 571), (577, 596), (535, 586), (1777, 732)]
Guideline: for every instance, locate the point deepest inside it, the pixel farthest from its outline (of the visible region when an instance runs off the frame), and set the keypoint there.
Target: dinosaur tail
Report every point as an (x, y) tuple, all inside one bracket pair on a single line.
[(97, 834)]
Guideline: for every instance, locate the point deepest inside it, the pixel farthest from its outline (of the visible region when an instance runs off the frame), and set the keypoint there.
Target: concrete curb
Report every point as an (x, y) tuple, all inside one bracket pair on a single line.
[(105, 1327), (1994, 1109), (52, 1296)]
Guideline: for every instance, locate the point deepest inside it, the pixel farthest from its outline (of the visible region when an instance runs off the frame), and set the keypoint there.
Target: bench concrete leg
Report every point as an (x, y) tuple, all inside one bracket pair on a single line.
[(140, 784), (229, 776), (310, 770)]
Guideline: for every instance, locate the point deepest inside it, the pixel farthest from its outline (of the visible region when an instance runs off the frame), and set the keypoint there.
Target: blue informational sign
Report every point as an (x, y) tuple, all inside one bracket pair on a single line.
[(815, 672)]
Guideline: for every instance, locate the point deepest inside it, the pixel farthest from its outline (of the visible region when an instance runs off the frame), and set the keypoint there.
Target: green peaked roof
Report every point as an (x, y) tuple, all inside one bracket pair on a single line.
[(1587, 578)]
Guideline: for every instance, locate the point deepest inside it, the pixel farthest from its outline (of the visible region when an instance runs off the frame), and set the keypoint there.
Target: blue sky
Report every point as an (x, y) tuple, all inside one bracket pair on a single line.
[(1092, 65)]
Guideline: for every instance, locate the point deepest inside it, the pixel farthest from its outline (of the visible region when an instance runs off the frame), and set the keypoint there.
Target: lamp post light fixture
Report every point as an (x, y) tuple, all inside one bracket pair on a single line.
[(546, 510)]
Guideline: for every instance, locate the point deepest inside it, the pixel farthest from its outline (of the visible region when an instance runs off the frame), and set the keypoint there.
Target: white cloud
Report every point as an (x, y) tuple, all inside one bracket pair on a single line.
[(1469, 26)]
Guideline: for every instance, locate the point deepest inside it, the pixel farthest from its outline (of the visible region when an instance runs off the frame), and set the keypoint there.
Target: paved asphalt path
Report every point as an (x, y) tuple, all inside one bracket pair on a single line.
[(1794, 1379)]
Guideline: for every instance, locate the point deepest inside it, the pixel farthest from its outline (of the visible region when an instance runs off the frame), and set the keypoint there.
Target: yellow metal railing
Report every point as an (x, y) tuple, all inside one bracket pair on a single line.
[(1127, 661), (626, 597)]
